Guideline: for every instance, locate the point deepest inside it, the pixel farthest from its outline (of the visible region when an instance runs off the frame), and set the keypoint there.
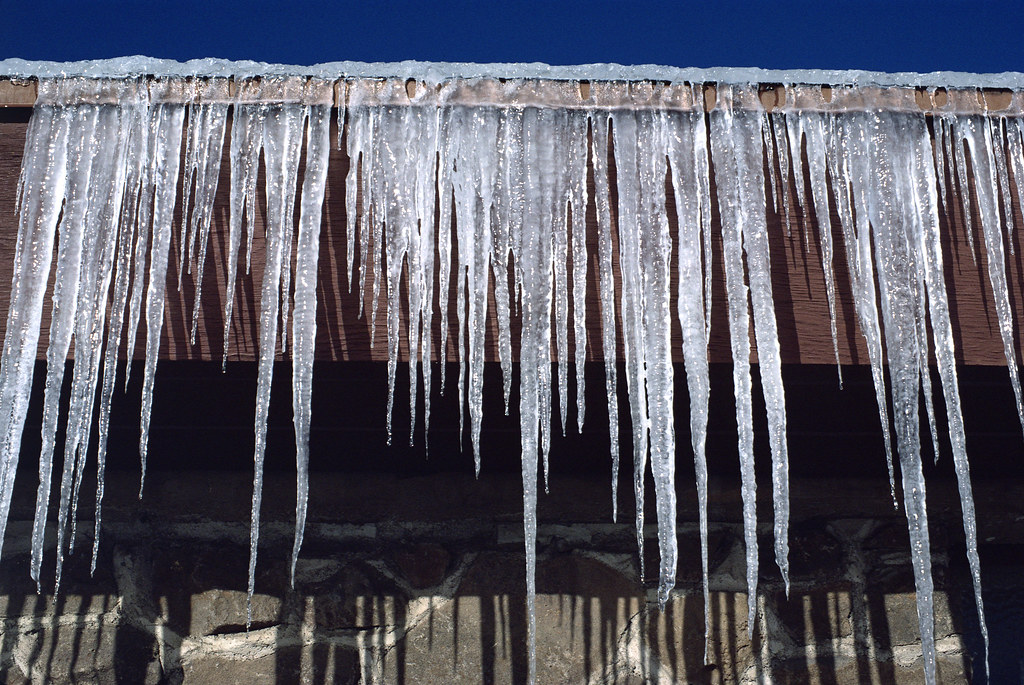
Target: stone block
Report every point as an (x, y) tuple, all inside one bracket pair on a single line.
[(87, 651), (864, 670), (81, 593), (316, 663), (668, 646), (583, 606), (816, 616), (201, 590), (901, 617), (422, 566)]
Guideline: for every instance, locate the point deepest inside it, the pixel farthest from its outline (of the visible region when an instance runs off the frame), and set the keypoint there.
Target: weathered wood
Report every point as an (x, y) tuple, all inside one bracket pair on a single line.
[(800, 302)]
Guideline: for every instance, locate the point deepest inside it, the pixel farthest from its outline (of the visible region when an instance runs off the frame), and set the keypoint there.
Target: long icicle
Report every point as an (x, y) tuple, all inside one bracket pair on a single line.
[(318, 145)]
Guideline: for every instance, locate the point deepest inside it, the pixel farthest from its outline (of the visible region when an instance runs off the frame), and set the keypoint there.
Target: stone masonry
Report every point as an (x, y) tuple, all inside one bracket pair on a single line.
[(442, 601)]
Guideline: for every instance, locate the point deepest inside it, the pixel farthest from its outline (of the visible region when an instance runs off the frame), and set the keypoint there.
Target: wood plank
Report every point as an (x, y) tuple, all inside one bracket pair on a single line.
[(800, 303)]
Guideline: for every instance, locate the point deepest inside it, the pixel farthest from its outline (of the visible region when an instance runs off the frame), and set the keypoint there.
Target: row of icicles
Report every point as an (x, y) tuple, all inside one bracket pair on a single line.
[(103, 177)]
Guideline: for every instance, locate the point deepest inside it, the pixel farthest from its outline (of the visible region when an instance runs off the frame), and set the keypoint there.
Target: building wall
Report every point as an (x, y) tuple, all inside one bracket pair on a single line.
[(414, 590)]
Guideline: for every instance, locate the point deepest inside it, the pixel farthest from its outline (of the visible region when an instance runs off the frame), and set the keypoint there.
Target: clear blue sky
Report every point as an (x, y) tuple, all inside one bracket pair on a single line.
[(981, 36)]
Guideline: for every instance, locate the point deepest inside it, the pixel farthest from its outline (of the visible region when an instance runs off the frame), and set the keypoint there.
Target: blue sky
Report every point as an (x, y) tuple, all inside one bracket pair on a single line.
[(981, 36)]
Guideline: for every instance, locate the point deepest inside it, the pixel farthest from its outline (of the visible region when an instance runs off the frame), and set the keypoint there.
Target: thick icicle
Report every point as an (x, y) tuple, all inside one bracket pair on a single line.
[(103, 193), (534, 258), (314, 183), (860, 266), (625, 131), (577, 171), (977, 134), (599, 156), (207, 124), (135, 133), (65, 299), (920, 174), (473, 180), (880, 156), (282, 142), (725, 143), (682, 155), (42, 188), (656, 246), (168, 119)]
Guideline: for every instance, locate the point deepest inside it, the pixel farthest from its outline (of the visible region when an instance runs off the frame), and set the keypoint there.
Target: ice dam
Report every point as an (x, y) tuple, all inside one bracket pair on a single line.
[(472, 182)]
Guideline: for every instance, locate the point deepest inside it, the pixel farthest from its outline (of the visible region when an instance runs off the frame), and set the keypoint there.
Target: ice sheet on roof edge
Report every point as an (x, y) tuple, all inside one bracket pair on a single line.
[(435, 72)]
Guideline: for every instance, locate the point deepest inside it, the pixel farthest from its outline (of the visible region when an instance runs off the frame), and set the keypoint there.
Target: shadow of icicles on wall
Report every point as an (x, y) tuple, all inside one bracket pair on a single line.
[(407, 602)]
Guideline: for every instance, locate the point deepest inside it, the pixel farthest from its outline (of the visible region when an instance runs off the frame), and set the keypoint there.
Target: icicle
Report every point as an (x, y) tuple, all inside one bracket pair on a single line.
[(559, 265), (421, 267), (898, 281), (100, 202), (246, 135), (929, 249), (1014, 130), (282, 142), (418, 176), (577, 173), (703, 169), (82, 120), (860, 267), (135, 133), (976, 132), (682, 155), (995, 135), (625, 130), (474, 205), (726, 144), (508, 205), (656, 246), (209, 130), (599, 156), (955, 151), (809, 127), (147, 151), (446, 157), (534, 257), (168, 120), (43, 180), (314, 182), (782, 145)]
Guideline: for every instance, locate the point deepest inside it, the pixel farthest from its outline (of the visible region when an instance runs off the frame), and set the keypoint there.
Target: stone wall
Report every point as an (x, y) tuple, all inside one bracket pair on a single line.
[(396, 598)]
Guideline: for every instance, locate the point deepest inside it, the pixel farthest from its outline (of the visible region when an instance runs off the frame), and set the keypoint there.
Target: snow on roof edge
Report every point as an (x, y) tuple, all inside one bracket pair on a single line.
[(435, 72)]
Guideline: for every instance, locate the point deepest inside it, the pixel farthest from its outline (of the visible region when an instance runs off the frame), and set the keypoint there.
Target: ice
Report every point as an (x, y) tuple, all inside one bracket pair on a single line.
[(625, 139), (975, 131), (167, 120), (42, 187), (737, 149), (860, 266), (599, 159), (879, 156), (682, 132), (101, 178), (920, 179), (135, 125), (810, 127), (577, 169), (282, 144), (206, 128), (65, 303), (246, 137), (314, 183), (533, 254)]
